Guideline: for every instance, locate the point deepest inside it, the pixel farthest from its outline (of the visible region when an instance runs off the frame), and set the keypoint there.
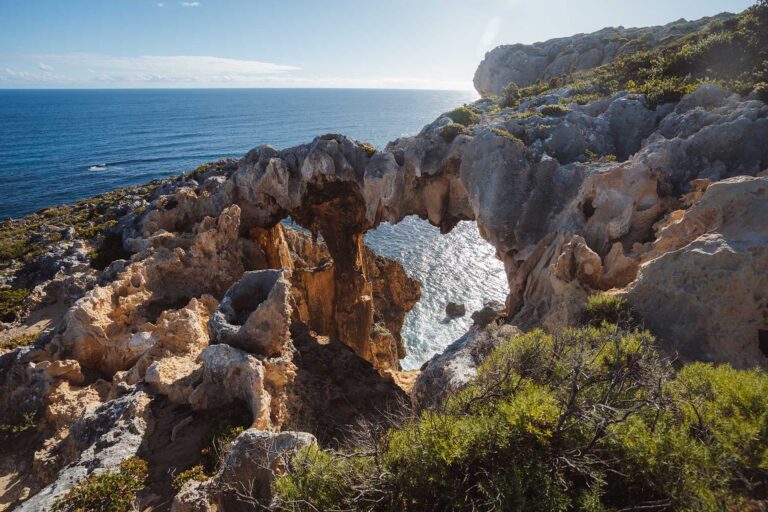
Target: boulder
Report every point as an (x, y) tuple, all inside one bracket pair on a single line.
[(489, 313), (447, 373), (254, 314), (455, 310), (702, 292)]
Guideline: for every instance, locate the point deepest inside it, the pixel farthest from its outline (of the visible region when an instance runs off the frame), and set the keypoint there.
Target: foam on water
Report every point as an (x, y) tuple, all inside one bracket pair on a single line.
[(459, 267)]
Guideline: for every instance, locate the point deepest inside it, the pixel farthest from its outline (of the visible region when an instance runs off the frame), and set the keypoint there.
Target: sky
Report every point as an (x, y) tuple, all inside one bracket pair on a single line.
[(413, 44)]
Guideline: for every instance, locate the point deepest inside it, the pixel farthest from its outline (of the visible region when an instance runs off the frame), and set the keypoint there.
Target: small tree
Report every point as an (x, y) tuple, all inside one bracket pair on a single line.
[(511, 95)]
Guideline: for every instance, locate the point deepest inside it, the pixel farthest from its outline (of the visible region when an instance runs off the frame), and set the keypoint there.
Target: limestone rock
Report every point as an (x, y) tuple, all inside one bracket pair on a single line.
[(98, 442), (704, 295), (231, 374), (526, 64), (447, 373), (244, 480), (489, 313), (254, 314)]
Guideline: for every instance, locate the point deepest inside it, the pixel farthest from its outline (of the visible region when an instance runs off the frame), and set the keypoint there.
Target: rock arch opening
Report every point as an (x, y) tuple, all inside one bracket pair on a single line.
[(459, 266)]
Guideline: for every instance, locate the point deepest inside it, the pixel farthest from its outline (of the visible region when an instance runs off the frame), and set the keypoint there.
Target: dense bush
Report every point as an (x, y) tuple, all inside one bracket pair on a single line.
[(452, 130), (590, 419), (554, 110), (511, 95), (463, 116), (603, 307), (113, 491)]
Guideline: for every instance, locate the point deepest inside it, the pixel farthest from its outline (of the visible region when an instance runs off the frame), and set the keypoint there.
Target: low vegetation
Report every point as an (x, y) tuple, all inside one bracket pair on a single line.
[(452, 130), (225, 431), (196, 472), (554, 110), (113, 491), (22, 340), (731, 53), (589, 419), (24, 422), (594, 157), (463, 116), (606, 308), (504, 133), (12, 303)]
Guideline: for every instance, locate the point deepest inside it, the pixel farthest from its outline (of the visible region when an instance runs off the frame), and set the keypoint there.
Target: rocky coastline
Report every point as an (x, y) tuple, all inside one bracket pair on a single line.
[(136, 320)]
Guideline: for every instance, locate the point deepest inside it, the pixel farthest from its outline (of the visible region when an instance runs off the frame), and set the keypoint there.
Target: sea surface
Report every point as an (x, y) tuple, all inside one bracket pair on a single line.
[(60, 146)]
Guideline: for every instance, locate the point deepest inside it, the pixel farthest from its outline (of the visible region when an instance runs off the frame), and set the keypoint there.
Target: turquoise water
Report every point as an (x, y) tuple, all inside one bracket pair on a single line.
[(60, 146)]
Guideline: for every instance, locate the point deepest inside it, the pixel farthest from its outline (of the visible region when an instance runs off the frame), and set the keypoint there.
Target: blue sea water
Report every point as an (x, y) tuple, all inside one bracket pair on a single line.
[(58, 146)]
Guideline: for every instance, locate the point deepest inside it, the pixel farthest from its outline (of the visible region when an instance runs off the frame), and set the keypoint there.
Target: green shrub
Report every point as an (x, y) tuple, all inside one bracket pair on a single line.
[(12, 248), (463, 116), (196, 472), (510, 97), (606, 308), (21, 340), (588, 419), (504, 133), (731, 54), (761, 90), (594, 157), (22, 423), (12, 303), (554, 110), (452, 130), (113, 491), (368, 148)]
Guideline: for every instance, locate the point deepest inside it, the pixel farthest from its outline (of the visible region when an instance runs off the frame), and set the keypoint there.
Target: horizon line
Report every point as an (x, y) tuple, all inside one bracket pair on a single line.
[(338, 88)]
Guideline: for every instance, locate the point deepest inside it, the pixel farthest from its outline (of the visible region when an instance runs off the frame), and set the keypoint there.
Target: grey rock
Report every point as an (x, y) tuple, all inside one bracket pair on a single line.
[(254, 314), (454, 310), (447, 373), (102, 439), (527, 64), (489, 313)]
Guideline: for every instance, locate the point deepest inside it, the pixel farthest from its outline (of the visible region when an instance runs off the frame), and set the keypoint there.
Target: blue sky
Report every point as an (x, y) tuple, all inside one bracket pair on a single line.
[(292, 43)]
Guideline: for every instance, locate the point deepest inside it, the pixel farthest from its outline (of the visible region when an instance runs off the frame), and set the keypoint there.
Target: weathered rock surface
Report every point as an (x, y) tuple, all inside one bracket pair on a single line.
[(254, 314), (99, 441), (527, 64), (248, 468), (222, 304), (447, 373), (704, 286)]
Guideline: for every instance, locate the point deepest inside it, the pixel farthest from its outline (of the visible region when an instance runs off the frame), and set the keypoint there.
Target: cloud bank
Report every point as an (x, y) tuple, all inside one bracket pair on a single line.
[(81, 69), (182, 71)]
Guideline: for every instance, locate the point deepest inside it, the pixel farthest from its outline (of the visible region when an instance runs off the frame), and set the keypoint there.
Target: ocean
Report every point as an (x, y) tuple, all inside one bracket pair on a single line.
[(58, 146)]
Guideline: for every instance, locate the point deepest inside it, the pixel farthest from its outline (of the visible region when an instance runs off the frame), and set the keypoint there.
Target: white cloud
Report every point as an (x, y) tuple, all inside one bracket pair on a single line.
[(178, 71), (20, 76), (45, 67), (190, 4), (152, 70)]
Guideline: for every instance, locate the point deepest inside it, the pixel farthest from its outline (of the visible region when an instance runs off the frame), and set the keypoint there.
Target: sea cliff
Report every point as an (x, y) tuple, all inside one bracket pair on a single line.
[(184, 327)]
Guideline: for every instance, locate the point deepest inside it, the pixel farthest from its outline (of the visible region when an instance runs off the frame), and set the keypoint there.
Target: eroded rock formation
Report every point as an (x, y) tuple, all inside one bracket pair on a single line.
[(527, 64), (225, 301)]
